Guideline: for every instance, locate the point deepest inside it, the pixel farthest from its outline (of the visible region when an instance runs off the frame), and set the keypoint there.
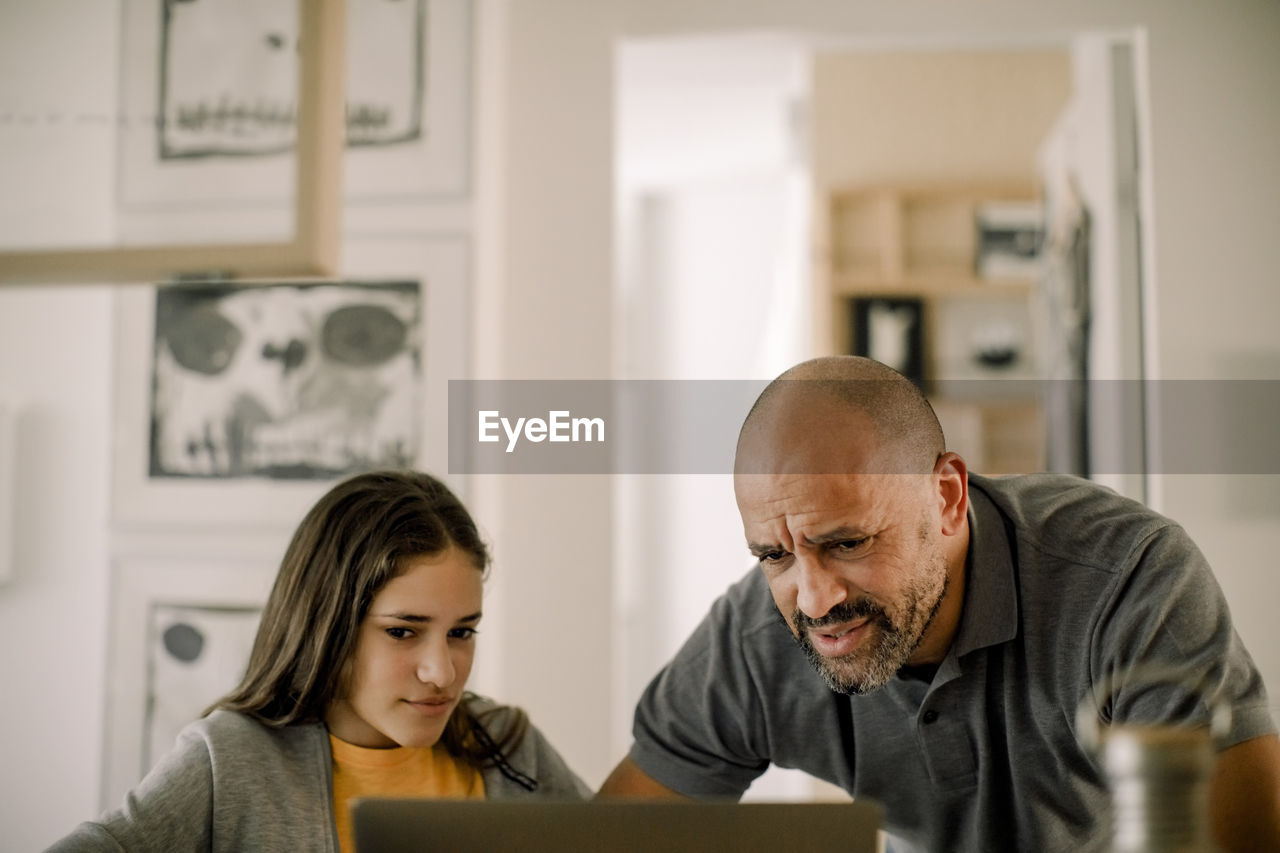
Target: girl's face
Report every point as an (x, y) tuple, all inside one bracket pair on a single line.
[(412, 656)]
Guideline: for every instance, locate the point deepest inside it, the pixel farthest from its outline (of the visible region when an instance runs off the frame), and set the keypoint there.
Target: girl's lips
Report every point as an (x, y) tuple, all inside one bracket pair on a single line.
[(431, 707), (838, 642)]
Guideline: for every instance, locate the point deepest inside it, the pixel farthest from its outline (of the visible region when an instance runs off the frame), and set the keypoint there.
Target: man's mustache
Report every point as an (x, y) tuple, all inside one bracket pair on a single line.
[(845, 611)]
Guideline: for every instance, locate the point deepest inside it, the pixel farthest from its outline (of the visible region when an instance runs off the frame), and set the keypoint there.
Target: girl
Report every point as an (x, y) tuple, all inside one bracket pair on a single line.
[(355, 687)]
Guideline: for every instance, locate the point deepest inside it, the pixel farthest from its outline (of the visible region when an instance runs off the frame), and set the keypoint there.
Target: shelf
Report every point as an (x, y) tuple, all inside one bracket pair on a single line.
[(912, 232), (973, 191), (850, 284), (912, 252)]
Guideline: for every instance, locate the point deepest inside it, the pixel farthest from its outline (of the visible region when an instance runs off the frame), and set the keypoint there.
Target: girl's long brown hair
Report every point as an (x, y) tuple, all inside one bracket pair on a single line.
[(351, 543)]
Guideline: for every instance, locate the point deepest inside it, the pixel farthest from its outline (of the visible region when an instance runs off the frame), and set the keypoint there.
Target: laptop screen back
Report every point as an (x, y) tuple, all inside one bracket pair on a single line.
[(618, 826)]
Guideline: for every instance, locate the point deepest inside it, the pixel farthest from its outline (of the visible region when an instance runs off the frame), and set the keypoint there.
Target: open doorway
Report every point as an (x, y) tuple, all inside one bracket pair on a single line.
[(738, 156)]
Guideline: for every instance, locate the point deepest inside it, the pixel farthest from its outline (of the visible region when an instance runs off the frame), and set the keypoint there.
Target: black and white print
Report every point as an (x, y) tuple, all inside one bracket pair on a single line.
[(285, 381)]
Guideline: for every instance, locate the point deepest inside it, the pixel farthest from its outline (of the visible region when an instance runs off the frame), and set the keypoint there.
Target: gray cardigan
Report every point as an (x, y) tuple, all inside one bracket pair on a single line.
[(232, 783)]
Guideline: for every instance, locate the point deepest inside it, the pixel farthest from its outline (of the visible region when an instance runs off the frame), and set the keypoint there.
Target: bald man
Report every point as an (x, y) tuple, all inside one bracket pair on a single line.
[(924, 637)]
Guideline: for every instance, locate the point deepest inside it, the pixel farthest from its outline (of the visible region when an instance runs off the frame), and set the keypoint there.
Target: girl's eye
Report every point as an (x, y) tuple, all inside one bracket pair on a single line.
[(462, 633), (398, 632)]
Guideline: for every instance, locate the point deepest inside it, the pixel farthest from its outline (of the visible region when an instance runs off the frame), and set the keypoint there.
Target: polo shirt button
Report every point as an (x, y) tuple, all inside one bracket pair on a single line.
[(930, 717)]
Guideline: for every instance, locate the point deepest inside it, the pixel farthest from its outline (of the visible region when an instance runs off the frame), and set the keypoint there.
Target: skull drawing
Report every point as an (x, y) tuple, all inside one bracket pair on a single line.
[(285, 381)]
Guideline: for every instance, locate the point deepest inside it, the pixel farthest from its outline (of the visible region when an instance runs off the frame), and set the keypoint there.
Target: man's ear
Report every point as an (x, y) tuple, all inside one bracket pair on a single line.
[(952, 478)]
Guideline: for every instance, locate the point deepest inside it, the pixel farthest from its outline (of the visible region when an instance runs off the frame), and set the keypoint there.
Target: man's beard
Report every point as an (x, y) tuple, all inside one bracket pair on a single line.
[(887, 648)]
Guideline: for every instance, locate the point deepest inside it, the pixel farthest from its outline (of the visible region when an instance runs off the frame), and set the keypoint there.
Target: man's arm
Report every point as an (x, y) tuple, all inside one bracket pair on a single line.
[(1244, 796), (628, 780), (1170, 616)]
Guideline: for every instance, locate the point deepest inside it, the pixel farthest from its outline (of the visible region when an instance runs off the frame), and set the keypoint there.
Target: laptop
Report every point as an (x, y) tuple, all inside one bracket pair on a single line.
[(384, 825)]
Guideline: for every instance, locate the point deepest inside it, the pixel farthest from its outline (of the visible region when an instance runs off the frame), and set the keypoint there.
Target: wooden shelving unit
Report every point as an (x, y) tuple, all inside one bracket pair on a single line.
[(919, 242)]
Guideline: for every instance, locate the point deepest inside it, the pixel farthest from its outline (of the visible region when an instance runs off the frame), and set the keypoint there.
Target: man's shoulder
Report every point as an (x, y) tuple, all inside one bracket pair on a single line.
[(742, 632), (747, 606), (744, 629), (1070, 518), (1043, 495)]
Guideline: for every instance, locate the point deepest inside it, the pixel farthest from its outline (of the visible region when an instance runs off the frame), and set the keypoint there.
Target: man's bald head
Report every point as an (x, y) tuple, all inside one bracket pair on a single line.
[(836, 415)]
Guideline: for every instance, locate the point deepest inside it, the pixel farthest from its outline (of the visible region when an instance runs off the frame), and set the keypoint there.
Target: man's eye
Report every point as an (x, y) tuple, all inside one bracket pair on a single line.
[(847, 545), (773, 556), (462, 633)]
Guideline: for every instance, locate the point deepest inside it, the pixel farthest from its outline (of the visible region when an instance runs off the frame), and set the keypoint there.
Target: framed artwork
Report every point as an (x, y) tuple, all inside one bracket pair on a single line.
[(984, 337), (181, 631), (209, 90), (890, 330), (1010, 238), (242, 404)]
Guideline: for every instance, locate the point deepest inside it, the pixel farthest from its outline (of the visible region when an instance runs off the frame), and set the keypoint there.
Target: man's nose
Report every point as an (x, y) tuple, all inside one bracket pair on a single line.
[(435, 665), (818, 588)]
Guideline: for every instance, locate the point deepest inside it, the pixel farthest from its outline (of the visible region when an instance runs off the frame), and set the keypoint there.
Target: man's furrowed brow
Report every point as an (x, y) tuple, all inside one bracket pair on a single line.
[(758, 550), (839, 534)]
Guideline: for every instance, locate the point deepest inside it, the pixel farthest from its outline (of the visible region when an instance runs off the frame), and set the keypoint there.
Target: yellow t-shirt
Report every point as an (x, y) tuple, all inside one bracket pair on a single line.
[(398, 772)]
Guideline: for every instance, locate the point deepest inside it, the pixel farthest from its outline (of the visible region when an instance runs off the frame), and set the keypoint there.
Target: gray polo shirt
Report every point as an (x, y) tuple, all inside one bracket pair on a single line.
[(1067, 583)]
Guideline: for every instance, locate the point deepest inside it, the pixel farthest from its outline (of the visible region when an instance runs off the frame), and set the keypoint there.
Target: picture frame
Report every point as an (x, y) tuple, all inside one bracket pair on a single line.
[(157, 684), (984, 337), (1010, 239), (300, 239), (206, 109), (891, 330), (145, 496)]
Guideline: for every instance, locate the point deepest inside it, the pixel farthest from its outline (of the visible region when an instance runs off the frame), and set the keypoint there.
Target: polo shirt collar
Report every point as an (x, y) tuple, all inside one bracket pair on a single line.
[(990, 614)]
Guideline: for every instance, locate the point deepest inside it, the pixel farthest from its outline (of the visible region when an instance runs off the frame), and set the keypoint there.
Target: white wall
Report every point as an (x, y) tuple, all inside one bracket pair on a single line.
[(53, 625), (55, 369)]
